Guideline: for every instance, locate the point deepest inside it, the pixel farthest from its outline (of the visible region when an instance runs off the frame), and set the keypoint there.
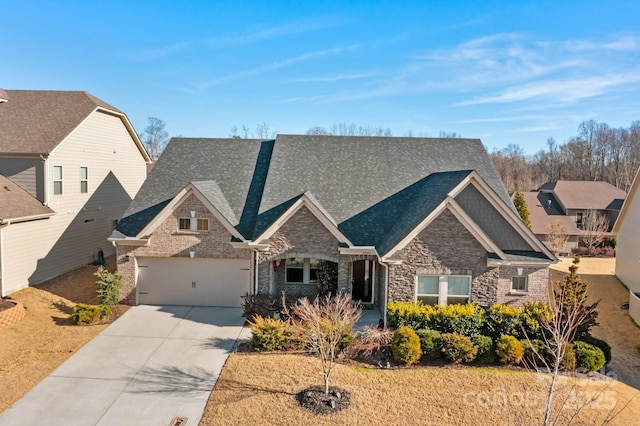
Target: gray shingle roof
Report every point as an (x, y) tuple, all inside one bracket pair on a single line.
[(36, 121), (376, 189), (213, 193), (229, 162), (16, 203), (386, 223)]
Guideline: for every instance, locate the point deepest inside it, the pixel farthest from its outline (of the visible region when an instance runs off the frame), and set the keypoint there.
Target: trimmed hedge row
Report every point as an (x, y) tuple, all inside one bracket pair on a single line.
[(470, 319)]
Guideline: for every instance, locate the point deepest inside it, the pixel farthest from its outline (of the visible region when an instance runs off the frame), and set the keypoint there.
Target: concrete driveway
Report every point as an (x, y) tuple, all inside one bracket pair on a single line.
[(153, 364)]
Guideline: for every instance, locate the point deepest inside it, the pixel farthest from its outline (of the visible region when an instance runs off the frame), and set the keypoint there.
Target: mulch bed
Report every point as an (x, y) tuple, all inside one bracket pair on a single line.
[(5, 304), (315, 400)]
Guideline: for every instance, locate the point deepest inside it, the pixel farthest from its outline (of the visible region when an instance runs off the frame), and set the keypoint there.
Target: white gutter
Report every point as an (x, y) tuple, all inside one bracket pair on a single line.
[(129, 241), (25, 218)]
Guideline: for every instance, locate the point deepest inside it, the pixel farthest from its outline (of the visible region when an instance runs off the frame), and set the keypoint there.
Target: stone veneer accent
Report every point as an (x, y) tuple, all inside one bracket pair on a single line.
[(303, 235), (447, 247), (10, 316), (168, 241), (443, 247)]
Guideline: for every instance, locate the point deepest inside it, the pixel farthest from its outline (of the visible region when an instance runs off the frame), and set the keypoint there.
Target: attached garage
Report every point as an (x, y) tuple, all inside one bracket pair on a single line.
[(186, 281)]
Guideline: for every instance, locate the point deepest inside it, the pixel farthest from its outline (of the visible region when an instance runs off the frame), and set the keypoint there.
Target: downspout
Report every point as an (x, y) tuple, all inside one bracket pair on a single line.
[(386, 292), (255, 270), (45, 192)]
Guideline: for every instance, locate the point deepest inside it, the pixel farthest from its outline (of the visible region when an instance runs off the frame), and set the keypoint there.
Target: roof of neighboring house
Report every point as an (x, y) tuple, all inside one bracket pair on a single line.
[(36, 121), (376, 190), (543, 214), (16, 204), (586, 195)]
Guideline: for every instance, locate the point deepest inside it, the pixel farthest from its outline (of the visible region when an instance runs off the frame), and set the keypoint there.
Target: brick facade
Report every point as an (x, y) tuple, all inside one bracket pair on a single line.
[(303, 235), (445, 247), (168, 241)]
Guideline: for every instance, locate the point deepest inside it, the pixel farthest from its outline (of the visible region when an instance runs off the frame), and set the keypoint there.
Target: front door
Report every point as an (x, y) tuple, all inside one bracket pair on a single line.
[(362, 288)]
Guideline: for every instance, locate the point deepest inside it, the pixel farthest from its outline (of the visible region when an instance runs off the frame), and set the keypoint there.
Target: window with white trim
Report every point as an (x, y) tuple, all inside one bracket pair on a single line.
[(84, 180), (444, 289), (301, 270), (519, 283), (57, 180), (193, 224)]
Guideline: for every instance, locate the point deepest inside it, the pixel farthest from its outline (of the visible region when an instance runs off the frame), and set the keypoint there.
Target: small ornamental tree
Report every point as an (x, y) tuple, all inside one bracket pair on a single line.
[(575, 293), (109, 285), (521, 206), (322, 326)]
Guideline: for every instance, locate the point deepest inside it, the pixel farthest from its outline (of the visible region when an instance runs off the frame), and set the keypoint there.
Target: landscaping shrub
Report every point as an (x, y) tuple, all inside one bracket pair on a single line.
[(533, 314), (264, 305), (604, 346), (530, 357), (371, 341), (464, 319), (87, 314), (405, 346), (503, 319), (486, 351), (430, 343), (568, 361), (109, 285), (509, 350), (458, 348), (588, 356), (269, 334), (414, 315)]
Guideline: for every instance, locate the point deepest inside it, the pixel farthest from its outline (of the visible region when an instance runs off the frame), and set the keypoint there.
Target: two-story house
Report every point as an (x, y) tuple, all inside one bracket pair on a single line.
[(569, 203), (628, 249), (70, 164)]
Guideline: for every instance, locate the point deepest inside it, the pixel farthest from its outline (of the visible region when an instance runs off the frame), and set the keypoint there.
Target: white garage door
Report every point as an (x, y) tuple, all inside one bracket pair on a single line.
[(201, 282)]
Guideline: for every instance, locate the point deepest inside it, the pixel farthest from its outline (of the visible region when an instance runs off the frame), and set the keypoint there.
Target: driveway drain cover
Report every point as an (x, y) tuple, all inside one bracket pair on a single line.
[(178, 421)]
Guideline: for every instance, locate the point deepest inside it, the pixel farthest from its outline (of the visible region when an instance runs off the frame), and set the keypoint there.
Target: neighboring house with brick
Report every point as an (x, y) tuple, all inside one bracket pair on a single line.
[(628, 247), (400, 218), (70, 165), (567, 203)]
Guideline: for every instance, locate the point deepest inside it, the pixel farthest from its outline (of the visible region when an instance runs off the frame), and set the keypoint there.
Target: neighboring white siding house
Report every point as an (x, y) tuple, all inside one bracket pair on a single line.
[(89, 177), (628, 247)]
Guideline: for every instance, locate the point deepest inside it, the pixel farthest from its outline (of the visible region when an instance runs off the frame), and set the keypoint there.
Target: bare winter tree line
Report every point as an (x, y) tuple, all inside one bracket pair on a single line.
[(597, 153)]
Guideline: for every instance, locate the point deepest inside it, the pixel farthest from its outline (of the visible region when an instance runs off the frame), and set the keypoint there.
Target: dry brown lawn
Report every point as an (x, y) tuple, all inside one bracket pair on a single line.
[(45, 337), (261, 389), (615, 325)]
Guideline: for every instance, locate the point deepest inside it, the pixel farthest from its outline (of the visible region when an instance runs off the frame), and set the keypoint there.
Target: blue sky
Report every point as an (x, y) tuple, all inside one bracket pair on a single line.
[(506, 72)]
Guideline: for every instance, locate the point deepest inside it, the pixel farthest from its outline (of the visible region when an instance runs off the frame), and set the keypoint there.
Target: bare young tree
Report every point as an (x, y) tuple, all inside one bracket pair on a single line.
[(595, 227), (569, 313), (154, 137), (556, 238), (323, 324)]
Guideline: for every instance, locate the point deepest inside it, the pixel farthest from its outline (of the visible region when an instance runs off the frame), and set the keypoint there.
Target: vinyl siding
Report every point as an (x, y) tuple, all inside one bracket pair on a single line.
[(82, 222), (628, 246), (25, 172), (22, 249), (491, 222)]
